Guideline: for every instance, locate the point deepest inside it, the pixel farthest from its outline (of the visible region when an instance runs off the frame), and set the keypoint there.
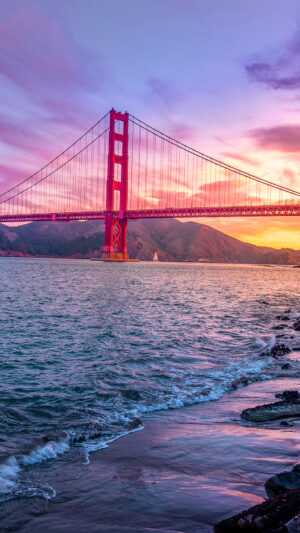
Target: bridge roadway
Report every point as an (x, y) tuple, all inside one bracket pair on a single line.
[(193, 212)]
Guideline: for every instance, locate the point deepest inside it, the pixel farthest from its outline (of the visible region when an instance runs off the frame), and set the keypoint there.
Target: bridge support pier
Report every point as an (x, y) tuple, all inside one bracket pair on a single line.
[(115, 243)]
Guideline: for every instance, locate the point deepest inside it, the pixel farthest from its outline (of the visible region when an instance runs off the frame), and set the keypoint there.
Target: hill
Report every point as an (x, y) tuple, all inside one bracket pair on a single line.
[(173, 240)]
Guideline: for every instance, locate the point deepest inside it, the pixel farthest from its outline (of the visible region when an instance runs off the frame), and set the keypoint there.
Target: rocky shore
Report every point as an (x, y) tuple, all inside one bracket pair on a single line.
[(188, 470), (280, 513), (288, 407)]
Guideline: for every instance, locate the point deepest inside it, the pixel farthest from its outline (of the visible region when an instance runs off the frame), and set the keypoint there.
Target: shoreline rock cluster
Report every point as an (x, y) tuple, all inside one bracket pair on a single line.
[(280, 512), (288, 407), (276, 515)]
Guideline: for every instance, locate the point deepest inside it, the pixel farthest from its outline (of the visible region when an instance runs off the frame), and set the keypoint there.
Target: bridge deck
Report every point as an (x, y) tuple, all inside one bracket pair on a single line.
[(195, 212)]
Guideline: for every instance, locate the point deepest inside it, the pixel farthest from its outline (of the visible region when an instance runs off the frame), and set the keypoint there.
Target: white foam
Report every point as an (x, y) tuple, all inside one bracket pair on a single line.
[(272, 342), (9, 472), (90, 447), (12, 467), (266, 344), (184, 398), (29, 491), (51, 450)]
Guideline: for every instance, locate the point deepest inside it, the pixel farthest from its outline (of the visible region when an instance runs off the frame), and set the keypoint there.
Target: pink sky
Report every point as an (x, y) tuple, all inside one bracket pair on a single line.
[(205, 72)]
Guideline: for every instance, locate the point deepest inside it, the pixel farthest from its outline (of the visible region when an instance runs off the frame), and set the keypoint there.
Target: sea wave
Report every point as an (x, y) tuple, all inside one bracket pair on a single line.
[(93, 436)]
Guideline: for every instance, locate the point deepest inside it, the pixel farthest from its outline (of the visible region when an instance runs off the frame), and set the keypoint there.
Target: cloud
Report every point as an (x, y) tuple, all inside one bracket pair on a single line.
[(10, 173), (272, 76), (43, 60), (38, 53), (182, 132), (281, 72), (282, 138), (164, 91), (224, 192), (19, 135), (241, 158), (53, 80), (291, 177)]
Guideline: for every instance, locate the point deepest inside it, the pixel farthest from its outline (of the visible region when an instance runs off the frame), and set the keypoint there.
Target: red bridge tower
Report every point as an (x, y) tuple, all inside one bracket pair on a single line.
[(115, 245)]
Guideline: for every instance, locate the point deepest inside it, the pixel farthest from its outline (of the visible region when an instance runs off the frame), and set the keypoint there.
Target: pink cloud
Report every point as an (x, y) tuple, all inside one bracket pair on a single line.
[(44, 61), (51, 70), (282, 138), (241, 158), (20, 136), (183, 132), (225, 192), (10, 173), (51, 62), (291, 178)]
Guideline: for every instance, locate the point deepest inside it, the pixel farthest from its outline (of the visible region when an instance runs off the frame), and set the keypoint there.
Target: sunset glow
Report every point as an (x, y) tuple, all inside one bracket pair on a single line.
[(150, 263), (238, 101)]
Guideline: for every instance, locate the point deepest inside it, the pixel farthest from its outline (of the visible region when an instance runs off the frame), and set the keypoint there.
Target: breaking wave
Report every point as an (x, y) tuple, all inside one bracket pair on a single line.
[(93, 436)]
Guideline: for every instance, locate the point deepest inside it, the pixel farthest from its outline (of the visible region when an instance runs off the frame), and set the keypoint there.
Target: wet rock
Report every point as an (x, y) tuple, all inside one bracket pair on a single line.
[(286, 366), (296, 325), (51, 437), (283, 317), (279, 326), (279, 350), (288, 395), (270, 516), (240, 382), (88, 431), (206, 392), (293, 526), (272, 411), (286, 424), (284, 482), (135, 424), (131, 394)]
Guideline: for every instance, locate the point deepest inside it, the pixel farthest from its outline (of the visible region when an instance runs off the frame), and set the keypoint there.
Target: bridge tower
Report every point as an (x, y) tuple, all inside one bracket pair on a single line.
[(115, 244)]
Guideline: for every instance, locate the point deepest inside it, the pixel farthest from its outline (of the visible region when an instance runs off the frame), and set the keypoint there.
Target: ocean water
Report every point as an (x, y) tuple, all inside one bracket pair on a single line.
[(88, 348)]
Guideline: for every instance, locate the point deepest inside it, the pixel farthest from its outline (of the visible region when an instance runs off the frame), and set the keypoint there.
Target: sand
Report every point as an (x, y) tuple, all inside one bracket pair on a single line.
[(187, 469)]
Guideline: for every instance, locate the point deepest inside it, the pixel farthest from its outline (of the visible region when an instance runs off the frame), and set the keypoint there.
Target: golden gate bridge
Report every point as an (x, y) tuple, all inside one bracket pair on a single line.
[(122, 168)]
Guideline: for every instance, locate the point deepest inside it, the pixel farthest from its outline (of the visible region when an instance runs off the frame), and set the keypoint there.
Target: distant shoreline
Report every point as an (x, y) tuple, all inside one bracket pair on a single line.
[(168, 241), (184, 261)]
